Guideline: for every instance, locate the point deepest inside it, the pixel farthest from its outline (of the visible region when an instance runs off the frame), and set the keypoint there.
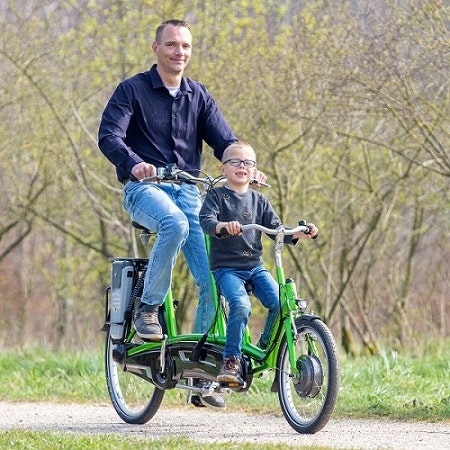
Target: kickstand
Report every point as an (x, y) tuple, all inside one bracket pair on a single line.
[(190, 382)]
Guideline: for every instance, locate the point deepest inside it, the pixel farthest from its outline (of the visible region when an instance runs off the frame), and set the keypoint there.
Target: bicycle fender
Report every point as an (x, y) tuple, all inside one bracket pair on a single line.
[(307, 317)]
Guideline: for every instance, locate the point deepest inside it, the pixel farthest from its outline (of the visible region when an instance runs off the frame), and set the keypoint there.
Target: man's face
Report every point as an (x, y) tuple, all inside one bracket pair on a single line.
[(174, 51)]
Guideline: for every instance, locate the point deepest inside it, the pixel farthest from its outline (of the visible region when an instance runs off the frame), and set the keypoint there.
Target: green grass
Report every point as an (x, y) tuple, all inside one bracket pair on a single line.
[(399, 386), (394, 386), (403, 387), (39, 374), (50, 441)]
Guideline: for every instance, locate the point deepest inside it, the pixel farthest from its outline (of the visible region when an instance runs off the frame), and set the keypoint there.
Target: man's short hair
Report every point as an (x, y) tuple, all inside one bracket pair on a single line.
[(174, 22)]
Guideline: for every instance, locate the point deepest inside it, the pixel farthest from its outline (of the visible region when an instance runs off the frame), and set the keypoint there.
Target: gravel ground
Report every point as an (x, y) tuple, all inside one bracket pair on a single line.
[(205, 426)]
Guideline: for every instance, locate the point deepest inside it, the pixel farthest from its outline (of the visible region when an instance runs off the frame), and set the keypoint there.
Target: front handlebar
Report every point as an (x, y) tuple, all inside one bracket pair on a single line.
[(279, 233), (281, 230), (274, 231)]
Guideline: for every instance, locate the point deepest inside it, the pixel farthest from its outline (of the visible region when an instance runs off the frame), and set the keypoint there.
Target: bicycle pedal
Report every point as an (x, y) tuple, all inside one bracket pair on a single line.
[(232, 385)]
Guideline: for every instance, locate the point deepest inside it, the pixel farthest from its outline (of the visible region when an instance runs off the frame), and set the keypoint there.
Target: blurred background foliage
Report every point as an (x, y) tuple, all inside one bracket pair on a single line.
[(346, 102)]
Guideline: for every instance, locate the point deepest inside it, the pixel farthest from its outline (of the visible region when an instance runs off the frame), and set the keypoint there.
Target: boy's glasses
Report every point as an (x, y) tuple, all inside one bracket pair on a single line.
[(236, 162)]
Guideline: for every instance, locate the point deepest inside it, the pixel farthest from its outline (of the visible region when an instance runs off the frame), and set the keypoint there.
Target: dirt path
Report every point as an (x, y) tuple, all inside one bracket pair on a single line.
[(205, 426)]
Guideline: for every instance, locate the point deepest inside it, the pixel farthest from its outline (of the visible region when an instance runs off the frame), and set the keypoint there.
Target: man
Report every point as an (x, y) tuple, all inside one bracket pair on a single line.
[(153, 119)]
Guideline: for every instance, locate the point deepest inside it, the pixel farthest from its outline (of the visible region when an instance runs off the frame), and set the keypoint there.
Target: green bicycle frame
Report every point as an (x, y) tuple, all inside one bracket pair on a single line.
[(217, 334)]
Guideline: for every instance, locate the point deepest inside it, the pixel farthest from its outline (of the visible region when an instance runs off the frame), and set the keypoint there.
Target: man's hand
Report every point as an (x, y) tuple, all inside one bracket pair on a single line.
[(259, 179), (143, 170)]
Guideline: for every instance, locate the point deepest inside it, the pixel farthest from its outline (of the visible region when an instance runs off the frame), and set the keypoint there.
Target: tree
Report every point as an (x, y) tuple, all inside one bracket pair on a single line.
[(346, 106)]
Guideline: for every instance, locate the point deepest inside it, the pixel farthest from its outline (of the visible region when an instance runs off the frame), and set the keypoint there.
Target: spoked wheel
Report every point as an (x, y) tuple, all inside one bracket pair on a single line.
[(308, 401), (135, 399)]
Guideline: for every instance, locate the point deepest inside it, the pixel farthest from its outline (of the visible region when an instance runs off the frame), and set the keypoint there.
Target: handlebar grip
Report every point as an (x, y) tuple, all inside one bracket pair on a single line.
[(302, 223), (261, 183), (223, 233)]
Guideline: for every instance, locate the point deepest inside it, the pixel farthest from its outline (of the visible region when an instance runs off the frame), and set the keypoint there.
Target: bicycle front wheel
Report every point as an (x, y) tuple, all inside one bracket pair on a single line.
[(307, 401), (135, 399)]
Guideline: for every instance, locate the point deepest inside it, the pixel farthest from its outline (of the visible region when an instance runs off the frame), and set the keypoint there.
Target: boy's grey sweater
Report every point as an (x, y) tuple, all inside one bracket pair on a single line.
[(225, 205)]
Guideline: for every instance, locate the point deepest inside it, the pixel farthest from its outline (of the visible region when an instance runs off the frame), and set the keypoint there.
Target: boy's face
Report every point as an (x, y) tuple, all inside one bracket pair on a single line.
[(239, 174)]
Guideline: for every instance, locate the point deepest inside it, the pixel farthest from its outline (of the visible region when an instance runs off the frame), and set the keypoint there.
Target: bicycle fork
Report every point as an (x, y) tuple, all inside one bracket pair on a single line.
[(292, 336), (289, 291), (290, 327)]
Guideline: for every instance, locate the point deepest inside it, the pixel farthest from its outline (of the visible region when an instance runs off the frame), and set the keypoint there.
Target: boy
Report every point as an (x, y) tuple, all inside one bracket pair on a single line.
[(236, 260)]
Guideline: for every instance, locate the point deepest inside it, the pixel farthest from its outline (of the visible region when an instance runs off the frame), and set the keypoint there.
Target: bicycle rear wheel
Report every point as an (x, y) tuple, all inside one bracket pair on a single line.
[(135, 400), (307, 402)]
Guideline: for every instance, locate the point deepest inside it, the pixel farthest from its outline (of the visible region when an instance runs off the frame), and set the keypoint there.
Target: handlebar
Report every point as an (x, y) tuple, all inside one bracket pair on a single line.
[(279, 233), (274, 231), (172, 173), (301, 228)]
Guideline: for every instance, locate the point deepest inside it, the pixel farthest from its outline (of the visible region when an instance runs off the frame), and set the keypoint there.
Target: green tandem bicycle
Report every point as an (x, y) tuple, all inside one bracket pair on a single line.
[(302, 353)]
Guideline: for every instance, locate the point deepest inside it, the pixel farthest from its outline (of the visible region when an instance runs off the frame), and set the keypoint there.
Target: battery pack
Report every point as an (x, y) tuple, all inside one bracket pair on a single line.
[(122, 275)]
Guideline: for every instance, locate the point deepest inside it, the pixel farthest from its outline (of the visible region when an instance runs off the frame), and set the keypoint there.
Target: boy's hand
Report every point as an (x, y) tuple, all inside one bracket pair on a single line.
[(232, 228), (313, 230)]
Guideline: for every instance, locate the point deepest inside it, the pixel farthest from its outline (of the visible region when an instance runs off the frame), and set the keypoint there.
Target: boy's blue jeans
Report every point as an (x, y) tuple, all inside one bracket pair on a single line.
[(171, 210), (231, 284)]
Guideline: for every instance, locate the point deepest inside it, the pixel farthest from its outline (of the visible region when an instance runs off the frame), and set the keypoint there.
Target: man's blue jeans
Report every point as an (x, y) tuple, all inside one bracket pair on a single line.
[(231, 284), (171, 211)]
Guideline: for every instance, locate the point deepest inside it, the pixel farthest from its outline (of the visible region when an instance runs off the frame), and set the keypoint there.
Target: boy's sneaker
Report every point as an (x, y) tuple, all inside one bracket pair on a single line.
[(230, 371), (147, 324)]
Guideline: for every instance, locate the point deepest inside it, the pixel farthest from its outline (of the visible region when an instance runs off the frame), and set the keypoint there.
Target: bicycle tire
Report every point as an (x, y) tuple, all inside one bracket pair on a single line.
[(135, 400), (309, 401)]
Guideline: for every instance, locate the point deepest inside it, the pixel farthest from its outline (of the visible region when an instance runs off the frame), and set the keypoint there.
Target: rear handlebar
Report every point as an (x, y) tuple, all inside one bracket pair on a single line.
[(172, 173)]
